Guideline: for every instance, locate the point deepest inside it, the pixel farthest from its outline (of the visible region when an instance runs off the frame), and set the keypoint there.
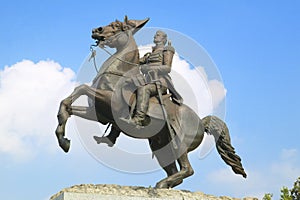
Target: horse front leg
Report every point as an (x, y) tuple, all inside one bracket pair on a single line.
[(62, 116), (84, 112), (65, 111)]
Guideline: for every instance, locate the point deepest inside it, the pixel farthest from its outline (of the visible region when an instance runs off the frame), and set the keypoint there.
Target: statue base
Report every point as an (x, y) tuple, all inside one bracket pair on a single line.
[(116, 192)]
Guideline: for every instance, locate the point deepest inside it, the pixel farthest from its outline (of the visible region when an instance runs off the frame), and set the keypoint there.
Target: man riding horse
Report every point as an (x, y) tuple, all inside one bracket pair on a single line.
[(156, 67)]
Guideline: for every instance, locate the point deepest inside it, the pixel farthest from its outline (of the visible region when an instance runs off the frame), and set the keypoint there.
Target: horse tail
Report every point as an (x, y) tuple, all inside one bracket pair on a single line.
[(216, 127)]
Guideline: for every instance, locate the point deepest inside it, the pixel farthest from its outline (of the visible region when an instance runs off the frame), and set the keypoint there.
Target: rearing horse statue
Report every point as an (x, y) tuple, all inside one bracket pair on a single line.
[(107, 103)]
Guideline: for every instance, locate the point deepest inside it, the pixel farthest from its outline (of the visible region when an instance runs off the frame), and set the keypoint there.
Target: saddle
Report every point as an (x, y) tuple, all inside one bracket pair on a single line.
[(155, 108), (128, 94)]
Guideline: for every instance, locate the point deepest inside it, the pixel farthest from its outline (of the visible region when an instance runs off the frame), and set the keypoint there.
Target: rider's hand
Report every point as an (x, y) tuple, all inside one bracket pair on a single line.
[(145, 69)]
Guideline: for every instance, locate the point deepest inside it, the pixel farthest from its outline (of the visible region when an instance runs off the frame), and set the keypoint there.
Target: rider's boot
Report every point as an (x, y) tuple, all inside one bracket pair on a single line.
[(111, 138), (139, 118)]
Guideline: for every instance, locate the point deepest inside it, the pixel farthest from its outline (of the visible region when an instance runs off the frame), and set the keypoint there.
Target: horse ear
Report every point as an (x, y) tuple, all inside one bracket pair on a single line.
[(126, 19), (125, 27)]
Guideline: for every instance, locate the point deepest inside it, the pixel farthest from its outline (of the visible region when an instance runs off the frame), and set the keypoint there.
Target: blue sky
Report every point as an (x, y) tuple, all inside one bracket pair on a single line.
[(255, 45)]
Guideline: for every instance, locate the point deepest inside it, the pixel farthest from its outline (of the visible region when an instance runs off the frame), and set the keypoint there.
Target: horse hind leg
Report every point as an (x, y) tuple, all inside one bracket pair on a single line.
[(171, 170), (186, 170)]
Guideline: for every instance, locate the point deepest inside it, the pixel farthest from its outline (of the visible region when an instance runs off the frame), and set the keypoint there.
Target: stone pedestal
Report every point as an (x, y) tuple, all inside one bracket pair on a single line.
[(116, 192)]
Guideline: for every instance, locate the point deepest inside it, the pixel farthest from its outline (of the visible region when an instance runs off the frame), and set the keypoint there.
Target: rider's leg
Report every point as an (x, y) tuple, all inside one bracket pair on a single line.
[(114, 134), (143, 96)]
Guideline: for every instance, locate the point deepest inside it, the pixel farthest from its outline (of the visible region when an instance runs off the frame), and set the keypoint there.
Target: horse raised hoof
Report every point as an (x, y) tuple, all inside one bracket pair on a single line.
[(104, 140), (64, 143)]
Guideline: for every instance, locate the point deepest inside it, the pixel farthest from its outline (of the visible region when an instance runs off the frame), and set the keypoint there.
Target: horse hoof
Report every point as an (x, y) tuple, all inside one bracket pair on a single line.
[(64, 143), (161, 184), (103, 140)]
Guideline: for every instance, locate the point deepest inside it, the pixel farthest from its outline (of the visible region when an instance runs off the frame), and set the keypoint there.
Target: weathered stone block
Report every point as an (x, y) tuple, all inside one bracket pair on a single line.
[(116, 192)]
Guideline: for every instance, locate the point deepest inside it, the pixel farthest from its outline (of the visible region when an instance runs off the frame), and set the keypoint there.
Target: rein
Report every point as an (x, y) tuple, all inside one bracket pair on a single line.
[(120, 59), (93, 55)]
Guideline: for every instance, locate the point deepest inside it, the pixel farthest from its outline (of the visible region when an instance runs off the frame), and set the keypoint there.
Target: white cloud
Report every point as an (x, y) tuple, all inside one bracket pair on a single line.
[(218, 92), (288, 167), (227, 183), (30, 94), (287, 154), (261, 180)]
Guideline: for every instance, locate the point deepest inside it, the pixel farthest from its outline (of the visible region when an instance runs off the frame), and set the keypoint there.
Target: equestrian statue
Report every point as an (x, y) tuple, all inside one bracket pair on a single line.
[(137, 97)]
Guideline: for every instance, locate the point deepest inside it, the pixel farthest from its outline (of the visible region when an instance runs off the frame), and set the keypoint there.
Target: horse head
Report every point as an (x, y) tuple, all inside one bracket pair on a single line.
[(111, 35)]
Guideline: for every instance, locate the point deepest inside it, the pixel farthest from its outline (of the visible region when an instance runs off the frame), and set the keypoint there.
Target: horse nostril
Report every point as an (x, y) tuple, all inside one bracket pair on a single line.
[(100, 29)]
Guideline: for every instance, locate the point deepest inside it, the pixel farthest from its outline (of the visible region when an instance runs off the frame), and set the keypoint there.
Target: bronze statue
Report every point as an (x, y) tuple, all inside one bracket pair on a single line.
[(181, 130)]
